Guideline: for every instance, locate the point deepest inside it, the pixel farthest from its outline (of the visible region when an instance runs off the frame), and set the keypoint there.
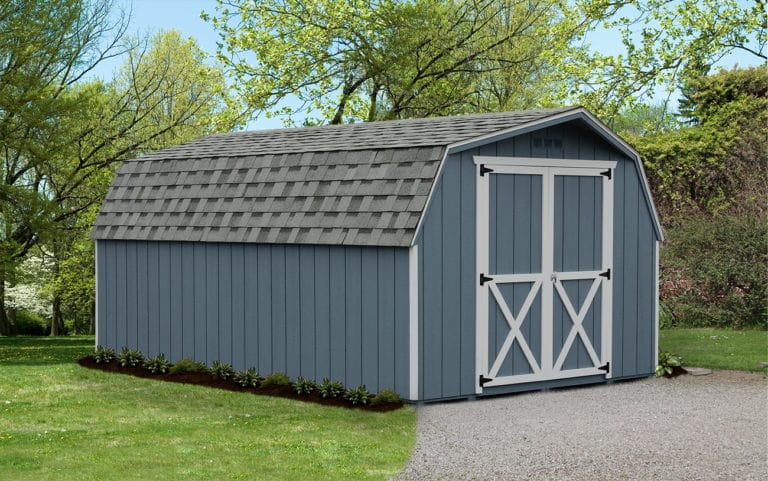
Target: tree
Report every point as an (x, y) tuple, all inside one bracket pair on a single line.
[(666, 43), (361, 60), (61, 136)]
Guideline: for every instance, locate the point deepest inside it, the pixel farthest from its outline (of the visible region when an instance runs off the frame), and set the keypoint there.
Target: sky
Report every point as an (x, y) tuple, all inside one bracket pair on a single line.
[(150, 16)]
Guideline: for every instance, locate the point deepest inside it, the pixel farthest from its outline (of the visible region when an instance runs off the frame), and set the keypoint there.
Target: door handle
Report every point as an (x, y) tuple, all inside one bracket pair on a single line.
[(553, 277)]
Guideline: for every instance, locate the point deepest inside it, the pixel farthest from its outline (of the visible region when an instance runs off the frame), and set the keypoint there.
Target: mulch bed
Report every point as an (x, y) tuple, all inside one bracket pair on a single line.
[(676, 371), (208, 380)]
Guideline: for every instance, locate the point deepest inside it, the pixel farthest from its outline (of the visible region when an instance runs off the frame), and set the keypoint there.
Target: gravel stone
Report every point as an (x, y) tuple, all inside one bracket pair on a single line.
[(685, 428)]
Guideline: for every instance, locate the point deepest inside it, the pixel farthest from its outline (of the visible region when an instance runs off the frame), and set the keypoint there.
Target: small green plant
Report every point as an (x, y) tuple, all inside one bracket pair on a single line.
[(222, 370), (667, 364), (277, 378), (386, 396), (247, 378), (103, 355), (304, 386), (358, 395), (187, 365), (129, 357), (158, 364), (330, 388)]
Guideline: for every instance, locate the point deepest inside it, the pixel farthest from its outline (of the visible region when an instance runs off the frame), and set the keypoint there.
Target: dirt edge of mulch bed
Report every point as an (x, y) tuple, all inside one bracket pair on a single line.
[(208, 380)]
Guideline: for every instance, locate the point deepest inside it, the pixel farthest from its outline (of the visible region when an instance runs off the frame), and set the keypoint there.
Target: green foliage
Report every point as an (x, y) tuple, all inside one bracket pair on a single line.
[(330, 388), (277, 378), (351, 61), (358, 395), (104, 355), (715, 272), (247, 378), (304, 386), (386, 396), (157, 364), (187, 365), (667, 364), (222, 370), (129, 357), (30, 324)]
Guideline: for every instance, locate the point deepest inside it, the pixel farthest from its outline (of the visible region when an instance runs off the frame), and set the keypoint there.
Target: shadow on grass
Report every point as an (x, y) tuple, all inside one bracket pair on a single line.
[(35, 351)]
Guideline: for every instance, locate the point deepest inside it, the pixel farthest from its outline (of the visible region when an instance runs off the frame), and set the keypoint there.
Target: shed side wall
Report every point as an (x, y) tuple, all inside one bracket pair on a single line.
[(448, 272), (312, 311)]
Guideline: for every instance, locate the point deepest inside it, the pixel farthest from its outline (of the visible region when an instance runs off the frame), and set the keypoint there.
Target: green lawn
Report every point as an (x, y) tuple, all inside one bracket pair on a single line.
[(717, 348), (59, 421)]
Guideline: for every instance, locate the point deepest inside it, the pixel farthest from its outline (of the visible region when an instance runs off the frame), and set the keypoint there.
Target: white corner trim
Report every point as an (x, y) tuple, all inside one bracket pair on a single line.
[(656, 307), (96, 293), (413, 323)]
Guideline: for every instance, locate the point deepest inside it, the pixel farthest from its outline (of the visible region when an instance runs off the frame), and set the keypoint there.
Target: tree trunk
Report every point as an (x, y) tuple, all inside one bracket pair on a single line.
[(92, 327), (57, 322), (7, 326)]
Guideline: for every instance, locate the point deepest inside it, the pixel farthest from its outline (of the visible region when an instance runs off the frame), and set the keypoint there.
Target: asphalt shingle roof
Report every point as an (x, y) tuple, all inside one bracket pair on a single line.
[(354, 184)]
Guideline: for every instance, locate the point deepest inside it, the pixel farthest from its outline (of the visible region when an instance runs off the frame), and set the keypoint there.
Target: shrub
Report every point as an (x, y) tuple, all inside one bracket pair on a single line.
[(277, 378), (222, 370), (158, 364), (247, 378), (330, 388), (103, 355), (358, 395), (714, 272), (129, 358), (304, 386), (187, 365), (668, 364), (29, 323), (386, 396)]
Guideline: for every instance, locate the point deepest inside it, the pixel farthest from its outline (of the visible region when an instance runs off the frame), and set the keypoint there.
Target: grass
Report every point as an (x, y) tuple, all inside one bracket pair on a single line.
[(59, 421), (717, 348)]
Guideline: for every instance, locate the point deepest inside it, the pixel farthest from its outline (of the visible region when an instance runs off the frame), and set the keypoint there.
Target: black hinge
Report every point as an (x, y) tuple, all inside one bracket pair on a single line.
[(606, 274), (484, 279), (605, 367), (484, 380), (607, 173), (484, 170)]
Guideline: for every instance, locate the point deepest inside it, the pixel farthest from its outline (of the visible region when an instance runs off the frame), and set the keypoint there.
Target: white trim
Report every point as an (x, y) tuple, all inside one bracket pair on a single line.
[(481, 292), (523, 378), (96, 294), (543, 162), (413, 323), (656, 308), (606, 316), (547, 267)]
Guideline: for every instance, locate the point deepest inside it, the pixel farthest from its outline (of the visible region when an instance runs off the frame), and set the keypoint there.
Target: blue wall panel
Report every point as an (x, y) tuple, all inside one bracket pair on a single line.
[(312, 311)]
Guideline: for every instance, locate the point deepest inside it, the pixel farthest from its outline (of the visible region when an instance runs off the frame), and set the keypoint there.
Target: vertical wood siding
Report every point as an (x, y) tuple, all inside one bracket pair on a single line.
[(312, 311), (447, 246)]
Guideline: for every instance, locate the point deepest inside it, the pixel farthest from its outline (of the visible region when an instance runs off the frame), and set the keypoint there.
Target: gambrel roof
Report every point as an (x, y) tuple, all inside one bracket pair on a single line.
[(354, 184)]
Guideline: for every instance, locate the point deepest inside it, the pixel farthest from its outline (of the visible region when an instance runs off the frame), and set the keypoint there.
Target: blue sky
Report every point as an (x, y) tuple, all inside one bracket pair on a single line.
[(150, 16)]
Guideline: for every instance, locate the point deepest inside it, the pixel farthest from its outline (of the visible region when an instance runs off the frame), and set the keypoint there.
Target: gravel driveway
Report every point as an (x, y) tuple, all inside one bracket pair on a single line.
[(711, 427)]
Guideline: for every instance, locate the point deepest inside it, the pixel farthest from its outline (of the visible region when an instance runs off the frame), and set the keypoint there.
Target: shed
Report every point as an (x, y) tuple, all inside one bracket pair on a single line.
[(442, 258)]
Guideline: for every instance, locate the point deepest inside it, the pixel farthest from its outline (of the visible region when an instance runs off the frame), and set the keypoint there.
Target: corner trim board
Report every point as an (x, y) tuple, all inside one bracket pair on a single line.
[(96, 293), (413, 322)]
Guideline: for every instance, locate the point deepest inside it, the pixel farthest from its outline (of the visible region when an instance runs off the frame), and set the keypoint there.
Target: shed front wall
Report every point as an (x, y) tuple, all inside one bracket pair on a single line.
[(448, 275), (312, 311)]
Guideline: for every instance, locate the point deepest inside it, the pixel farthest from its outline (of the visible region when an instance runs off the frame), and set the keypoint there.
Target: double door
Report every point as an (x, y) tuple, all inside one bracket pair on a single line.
[(544, 254)]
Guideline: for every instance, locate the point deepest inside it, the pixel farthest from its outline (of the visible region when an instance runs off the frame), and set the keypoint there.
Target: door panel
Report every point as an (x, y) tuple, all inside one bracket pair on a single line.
[(543, 311)]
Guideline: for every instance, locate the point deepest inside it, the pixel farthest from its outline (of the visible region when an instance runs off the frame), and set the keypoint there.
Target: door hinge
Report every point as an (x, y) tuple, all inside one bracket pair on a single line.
[(606, 274), (607, 173), (484, 170), (482, 379), (484, 279), (605, 367)]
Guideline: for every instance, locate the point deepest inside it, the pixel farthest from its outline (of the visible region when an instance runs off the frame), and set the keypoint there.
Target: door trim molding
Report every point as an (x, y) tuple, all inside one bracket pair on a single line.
[(543, 162)]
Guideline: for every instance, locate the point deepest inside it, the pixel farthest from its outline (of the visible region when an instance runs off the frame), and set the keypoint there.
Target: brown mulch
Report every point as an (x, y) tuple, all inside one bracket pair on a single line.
[(208, 380)]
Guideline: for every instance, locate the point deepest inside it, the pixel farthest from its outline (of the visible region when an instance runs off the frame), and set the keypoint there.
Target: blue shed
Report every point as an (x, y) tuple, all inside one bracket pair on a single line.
[(442, 258)]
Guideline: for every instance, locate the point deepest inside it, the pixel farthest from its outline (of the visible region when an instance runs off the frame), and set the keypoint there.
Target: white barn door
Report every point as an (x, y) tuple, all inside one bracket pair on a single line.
[(544, 253)]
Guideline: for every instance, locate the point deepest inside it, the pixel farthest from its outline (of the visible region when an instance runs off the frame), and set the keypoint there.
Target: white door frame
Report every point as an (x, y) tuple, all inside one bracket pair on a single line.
[(547, 281)]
